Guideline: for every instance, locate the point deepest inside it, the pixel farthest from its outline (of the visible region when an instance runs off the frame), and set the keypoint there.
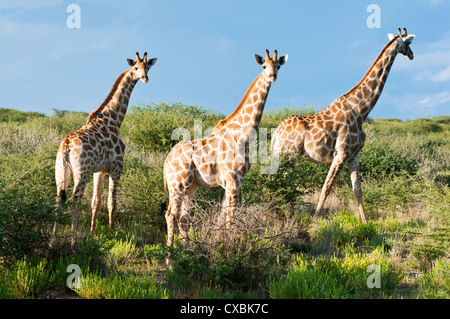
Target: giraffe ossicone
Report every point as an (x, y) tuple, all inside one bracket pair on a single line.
[(219, 159), (335, 135), (96, 148)]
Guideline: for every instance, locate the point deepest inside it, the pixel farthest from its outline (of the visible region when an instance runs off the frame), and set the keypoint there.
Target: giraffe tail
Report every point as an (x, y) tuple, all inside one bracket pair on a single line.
[(62, 169), (273, 141), (163, 202)]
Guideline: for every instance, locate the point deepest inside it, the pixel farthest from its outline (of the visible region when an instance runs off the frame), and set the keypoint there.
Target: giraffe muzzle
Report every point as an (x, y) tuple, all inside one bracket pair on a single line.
[(144, 79)]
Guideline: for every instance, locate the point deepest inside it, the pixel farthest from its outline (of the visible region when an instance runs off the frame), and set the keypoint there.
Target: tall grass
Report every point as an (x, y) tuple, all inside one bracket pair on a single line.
[(336, 278)]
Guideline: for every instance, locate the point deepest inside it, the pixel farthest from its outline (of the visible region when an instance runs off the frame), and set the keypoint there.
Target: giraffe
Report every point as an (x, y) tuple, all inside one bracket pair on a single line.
[(219, 159), (335, 135), (97, 148)]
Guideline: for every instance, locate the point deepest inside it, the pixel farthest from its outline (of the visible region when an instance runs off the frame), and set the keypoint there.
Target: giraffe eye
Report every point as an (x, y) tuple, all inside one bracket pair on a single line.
[(135, 68), (264, 67)]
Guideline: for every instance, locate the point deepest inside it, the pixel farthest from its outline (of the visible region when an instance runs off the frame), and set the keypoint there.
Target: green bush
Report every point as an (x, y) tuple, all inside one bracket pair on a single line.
[(151, 127), (239, 258), (272, 118), (142, 189), (25, 218), (395, 194), (294, 178), (10, 115), (416, 127), (381, 162)]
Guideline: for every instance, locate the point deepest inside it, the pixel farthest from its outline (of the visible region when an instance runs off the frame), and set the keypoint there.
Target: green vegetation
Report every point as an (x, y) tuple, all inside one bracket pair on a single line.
[(275, 250)]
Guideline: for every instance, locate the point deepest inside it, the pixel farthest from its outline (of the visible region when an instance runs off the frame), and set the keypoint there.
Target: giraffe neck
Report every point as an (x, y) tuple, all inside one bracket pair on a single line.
[(246, 117), (115, 105), (361, 99)]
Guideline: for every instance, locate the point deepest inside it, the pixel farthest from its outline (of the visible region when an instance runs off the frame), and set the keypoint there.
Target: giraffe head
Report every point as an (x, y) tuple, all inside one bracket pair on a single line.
[(140, 67), (271, 65), (403, 42)]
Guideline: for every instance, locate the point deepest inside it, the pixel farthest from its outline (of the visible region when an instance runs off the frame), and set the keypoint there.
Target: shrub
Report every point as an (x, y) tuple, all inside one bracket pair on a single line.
[(151, 127), (141, 190), (283, 188), (381, 162), (10, 115), (237, 258), (272, 118), (25, 218)]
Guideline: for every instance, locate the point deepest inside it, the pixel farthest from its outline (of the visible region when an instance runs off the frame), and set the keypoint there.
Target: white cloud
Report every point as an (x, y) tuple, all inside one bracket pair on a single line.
[(435, 3), (431, 63), (28, 4), (420, 104), (357, 44), (23, 30), (225, 46), (442, 76)]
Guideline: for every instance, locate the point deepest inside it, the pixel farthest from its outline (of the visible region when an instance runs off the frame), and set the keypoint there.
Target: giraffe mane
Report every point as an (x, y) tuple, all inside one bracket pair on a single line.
[(239, 107), (108, 98), (372, 66)]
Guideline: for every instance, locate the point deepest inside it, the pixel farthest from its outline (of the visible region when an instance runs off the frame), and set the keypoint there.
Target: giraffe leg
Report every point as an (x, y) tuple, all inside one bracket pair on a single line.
[(353, 166), (112, 199), (63, 175), (80, 185), (184, 218), (336, 167), (96, 198), (230, 202), (175, 202)]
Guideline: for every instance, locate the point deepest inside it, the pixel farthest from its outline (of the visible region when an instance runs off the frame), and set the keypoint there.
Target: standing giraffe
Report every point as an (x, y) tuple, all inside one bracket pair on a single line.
[(219, 159), (97, 147), (335, 135)]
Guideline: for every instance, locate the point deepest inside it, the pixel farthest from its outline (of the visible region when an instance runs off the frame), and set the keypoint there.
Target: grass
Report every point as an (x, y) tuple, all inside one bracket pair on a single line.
[(276, 250), (335, 277)]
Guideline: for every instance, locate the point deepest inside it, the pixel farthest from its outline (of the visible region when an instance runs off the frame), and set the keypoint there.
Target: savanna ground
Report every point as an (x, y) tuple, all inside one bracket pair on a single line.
[(277, 250)]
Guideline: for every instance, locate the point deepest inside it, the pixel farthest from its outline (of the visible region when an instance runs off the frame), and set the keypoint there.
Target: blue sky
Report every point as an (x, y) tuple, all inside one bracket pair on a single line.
[(205, 51)]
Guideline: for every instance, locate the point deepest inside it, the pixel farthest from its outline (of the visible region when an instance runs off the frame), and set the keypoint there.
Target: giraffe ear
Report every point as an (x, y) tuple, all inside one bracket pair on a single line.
[(409, 38), (390, 36), (282, 60), (151, 62), (131, 62), (259, 59)]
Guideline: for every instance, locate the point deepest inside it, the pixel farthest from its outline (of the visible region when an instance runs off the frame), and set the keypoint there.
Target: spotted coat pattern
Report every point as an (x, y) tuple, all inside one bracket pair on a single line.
[(219, 159), (335, 135), (97, 148)]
